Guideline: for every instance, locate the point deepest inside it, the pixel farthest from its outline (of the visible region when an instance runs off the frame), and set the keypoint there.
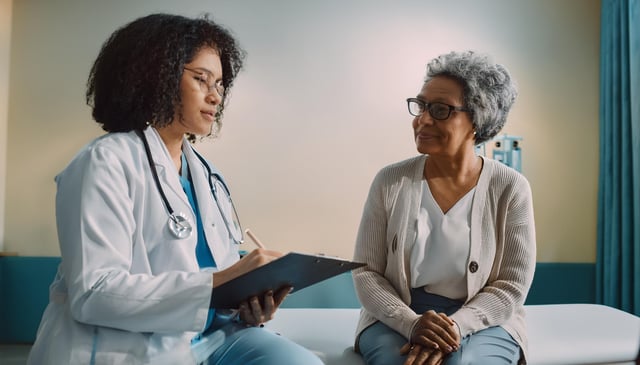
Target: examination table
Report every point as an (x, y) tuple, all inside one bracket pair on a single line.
[(559, 334)]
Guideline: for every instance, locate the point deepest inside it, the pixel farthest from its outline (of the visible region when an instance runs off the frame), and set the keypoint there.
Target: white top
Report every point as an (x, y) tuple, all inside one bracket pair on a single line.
[(441, 249)]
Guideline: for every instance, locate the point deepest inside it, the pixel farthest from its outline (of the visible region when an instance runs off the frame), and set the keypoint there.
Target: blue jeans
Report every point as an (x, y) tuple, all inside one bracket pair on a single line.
[(239, 345), (380, 345)]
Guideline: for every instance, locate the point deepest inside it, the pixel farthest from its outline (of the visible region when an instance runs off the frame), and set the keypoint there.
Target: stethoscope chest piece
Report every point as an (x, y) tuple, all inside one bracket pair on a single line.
[(179, 225)]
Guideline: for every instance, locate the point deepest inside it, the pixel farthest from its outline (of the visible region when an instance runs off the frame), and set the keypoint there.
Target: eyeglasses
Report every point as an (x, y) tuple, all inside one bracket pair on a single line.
[(207, 82), (437, 111)]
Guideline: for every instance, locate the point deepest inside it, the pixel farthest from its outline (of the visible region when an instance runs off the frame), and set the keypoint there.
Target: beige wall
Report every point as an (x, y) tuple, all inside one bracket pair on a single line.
[(5, 47), (320, 107)]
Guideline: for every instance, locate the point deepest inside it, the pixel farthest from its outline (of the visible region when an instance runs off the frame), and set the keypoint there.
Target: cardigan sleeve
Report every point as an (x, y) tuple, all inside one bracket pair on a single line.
[(514, 262), (375, 291)]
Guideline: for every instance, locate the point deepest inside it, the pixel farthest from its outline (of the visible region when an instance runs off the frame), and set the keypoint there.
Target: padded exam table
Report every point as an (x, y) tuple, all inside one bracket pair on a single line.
[(559, 334)]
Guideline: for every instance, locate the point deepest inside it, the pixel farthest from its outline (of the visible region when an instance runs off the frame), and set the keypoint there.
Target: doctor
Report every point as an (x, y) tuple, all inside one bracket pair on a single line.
[(146, 227)]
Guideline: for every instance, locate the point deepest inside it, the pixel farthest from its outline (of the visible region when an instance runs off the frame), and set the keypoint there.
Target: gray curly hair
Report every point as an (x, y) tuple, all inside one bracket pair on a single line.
[(488, 89)]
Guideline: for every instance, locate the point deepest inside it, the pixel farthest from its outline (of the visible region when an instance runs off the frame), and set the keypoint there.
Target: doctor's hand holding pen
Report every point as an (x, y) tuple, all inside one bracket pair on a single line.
[(254, 311)]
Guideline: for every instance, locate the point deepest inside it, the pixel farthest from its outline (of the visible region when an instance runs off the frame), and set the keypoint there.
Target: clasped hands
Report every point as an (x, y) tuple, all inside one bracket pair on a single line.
[(433, 338)]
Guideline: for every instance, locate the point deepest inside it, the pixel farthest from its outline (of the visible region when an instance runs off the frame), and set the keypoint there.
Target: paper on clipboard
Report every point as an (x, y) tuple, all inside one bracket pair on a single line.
[(293, 269)]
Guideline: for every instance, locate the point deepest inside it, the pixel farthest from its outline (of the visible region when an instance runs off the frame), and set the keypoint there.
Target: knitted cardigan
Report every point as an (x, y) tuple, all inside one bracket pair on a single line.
[(501, 260)]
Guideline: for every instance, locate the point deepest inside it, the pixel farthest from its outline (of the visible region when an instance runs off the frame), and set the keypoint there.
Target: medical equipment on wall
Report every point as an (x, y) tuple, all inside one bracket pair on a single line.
[(506, 149), (481, 149), (178, 223)]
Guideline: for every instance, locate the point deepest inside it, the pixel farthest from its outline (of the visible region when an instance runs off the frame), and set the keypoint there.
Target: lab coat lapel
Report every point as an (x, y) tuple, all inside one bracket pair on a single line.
[(166, 170), (224, 253)]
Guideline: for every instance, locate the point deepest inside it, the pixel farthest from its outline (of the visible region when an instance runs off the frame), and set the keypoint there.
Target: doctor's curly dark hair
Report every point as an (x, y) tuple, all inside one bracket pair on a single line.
[(135, 80)]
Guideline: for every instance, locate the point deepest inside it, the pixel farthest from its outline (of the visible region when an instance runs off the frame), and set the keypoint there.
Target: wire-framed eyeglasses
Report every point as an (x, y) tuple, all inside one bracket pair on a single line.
[(207, 81), (437, 110)]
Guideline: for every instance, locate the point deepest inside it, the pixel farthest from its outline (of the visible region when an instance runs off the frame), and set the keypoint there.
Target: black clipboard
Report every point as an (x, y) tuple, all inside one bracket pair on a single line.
[(293, 269)]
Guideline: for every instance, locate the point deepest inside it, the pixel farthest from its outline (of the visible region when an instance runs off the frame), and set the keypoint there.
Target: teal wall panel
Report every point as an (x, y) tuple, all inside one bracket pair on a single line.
[(337, 292), (563, 282), (24, 291)]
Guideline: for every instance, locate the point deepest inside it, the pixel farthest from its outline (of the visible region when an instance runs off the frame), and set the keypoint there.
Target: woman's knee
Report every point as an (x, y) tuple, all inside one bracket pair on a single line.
[(380, 345), (471, 357), (282, 351), (258, 346), (493, 346), (289, 354)]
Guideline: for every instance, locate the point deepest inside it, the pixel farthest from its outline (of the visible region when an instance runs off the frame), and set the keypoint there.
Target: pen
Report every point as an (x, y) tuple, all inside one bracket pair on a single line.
[(254, 239)]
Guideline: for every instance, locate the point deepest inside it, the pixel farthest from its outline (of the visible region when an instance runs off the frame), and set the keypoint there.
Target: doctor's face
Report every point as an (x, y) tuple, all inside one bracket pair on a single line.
[(201, 93)]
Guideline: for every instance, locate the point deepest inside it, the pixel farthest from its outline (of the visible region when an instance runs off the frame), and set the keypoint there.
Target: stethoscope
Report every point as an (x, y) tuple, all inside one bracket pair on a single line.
[(178, 223)]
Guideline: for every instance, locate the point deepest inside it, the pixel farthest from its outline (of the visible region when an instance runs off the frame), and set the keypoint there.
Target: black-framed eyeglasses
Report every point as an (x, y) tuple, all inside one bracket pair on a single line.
[(207, 81), (437, 111)]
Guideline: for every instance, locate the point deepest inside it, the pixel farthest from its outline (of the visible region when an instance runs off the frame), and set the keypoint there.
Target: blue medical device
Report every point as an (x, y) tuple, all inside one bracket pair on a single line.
[(506, 149)]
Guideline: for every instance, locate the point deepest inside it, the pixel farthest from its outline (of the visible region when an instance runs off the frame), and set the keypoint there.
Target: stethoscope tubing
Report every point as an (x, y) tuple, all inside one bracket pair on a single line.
[(154, 172), (179, 225), (240, 239)]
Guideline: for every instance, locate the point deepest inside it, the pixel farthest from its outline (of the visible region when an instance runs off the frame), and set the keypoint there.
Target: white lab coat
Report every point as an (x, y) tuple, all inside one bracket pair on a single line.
[(127, 291)]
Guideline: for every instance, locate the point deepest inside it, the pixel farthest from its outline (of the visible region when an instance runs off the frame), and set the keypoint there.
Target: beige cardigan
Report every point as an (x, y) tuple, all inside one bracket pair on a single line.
[(501, 260)]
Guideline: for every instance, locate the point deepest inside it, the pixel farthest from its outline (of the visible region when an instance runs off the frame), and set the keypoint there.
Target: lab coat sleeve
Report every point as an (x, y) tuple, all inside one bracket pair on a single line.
[(97, 229)]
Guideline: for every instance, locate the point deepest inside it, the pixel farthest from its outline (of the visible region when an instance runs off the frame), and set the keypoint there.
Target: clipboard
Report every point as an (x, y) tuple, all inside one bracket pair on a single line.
[(293, 269)]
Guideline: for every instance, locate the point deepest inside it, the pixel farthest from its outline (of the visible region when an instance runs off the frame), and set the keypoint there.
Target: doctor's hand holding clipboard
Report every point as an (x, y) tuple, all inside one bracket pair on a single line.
[(256, 310), (272, 274)]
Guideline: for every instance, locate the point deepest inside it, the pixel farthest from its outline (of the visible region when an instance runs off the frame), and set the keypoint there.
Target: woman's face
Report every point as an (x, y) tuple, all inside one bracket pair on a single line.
[(200, 94), (449, 137)]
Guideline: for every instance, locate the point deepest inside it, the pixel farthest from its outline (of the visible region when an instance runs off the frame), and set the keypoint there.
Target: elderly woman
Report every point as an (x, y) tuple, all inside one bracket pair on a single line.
[(448, 236)]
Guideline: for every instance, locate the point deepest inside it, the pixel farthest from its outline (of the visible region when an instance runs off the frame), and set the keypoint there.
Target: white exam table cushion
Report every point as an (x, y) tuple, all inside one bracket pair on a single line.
[(559, 334), (581, 334)]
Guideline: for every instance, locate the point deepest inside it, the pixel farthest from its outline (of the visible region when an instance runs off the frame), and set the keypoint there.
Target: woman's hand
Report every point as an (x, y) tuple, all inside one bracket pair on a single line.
[(420, 355), (434, 337), (436, 331), (254, 312)]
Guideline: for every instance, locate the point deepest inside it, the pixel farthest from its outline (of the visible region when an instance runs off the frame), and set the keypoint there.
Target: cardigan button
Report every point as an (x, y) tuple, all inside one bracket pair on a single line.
[(473, 267)]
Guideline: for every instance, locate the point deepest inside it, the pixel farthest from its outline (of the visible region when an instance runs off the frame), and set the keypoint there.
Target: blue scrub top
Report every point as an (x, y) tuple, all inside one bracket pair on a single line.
[(203, 254)]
